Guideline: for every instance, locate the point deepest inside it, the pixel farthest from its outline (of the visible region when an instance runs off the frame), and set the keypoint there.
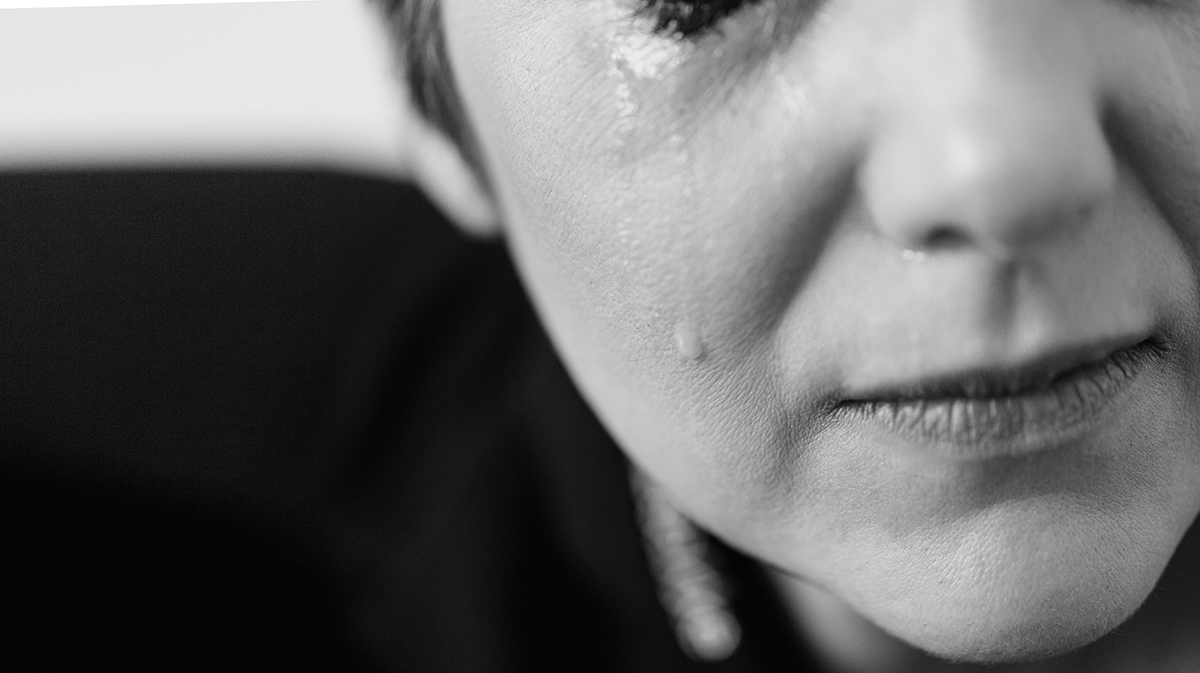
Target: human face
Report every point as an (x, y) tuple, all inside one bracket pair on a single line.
[(898, 296)]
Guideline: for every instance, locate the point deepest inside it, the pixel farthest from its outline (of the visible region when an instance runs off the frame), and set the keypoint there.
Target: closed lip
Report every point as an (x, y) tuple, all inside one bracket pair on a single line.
[(989, 412)]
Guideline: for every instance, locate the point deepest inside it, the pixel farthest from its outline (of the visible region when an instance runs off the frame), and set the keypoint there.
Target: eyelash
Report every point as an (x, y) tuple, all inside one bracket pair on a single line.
[(688, 18)]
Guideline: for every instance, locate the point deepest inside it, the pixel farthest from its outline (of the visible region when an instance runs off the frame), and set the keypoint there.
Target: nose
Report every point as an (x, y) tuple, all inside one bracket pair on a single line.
[(989, 133)]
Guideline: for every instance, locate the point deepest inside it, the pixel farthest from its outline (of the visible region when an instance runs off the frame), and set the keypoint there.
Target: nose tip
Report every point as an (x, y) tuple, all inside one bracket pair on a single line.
[(989, 132), (998, 184)]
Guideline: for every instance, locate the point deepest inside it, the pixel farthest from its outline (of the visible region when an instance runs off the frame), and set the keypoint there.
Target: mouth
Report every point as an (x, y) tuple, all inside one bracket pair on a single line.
[(994, 412)]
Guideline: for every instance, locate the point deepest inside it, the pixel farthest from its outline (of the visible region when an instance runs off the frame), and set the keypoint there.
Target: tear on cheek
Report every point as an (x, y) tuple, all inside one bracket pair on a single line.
[(631, 44), (688, 342)]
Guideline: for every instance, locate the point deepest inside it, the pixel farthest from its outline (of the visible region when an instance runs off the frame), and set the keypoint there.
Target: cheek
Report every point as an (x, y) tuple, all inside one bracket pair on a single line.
[(549, 120), (614, 214)]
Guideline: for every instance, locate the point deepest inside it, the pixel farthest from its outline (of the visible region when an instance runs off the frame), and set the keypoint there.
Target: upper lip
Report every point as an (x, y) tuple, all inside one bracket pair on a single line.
[(993, 381)]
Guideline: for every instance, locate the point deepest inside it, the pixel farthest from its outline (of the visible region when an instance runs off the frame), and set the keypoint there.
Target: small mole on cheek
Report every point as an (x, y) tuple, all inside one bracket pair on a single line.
[(688, 343)]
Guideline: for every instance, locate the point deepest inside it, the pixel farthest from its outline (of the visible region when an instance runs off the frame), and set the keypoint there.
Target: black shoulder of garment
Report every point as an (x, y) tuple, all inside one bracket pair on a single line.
[(291, 420)]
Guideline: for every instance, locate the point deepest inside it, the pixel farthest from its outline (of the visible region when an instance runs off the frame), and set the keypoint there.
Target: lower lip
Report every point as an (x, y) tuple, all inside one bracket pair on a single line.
[(979, 428)]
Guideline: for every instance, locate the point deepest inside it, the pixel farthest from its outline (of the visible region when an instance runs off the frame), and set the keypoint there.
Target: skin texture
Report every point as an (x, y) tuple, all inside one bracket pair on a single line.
[(730, 236)]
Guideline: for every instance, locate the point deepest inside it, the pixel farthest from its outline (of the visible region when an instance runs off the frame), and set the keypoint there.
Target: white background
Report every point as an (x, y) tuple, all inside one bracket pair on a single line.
[(263, 82)]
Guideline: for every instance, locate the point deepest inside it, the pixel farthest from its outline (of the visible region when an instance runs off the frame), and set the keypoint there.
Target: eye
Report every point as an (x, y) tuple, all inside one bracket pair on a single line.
[(688, 18)]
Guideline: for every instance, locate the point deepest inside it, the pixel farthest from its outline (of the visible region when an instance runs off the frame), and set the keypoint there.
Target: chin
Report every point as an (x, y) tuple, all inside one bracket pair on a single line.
[(1021, 638), (1015, 607)]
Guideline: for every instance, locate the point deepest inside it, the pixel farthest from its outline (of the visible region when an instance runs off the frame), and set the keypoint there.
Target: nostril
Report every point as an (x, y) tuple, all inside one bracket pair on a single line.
[(945, 237)]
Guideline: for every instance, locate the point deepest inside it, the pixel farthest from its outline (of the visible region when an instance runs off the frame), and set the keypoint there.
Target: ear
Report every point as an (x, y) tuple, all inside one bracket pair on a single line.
[(434, 162)]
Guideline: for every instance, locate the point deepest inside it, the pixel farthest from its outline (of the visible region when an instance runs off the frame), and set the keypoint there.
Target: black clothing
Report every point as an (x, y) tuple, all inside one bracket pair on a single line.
[(292, 420)]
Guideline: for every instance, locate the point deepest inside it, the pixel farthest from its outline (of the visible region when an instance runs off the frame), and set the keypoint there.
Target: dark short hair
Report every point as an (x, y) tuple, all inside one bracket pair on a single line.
[(416, 30)]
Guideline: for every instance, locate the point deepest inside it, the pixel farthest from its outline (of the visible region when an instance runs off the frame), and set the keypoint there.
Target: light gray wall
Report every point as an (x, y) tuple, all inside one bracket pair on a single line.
[(263, 82)]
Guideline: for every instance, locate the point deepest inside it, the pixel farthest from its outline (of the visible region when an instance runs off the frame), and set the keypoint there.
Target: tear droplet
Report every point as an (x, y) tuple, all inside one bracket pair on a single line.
[(688, 343), (914, 256)]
